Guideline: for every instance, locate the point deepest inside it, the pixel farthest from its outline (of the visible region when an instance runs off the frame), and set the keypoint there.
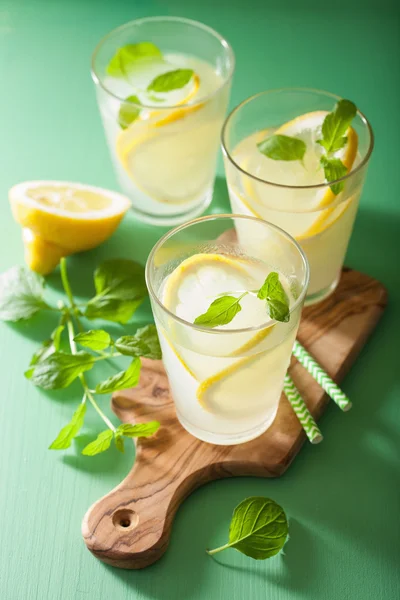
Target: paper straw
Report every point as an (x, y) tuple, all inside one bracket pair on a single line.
[(327, 384), (302, 412)]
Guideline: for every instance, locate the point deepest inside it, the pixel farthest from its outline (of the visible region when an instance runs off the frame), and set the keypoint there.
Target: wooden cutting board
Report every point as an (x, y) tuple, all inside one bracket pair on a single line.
[(131, 526)]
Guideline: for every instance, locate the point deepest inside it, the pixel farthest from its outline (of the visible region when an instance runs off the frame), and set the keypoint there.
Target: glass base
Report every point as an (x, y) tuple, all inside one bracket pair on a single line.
[(322, 294), (231, 439), (175, 219)]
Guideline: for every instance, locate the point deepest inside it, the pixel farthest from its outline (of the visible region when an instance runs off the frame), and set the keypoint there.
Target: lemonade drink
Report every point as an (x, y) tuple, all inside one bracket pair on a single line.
[(163, 88), (270, 183), (226, 380)]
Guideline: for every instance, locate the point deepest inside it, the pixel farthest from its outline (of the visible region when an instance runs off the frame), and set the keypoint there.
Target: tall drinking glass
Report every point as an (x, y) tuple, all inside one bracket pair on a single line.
[(226, 380), (162, 87), (284, 181)]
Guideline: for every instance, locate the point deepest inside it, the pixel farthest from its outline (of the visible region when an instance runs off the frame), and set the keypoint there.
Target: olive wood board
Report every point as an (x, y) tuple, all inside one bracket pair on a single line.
[(131, 526)]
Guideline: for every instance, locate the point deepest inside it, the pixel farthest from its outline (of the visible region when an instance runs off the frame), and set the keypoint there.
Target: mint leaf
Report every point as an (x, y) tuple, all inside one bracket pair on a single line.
[(220, 312), (59, 369), (172, 80), (120, 289), (122, 380), (56, 336), (119, 442), (95, 339), (21, 294), (334, 169), (335, 125), (48, 347), (67, 433), (144, 343), (282, 147), (100, 444), (110, 309), (278, 304), (258, 529), (127, 57), (43, 352), (120, 278), (128, 113), (139, 430)]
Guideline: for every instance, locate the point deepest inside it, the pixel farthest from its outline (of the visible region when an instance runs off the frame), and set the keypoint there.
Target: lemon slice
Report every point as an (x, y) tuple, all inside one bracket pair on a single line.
[(60, 218), (190, 266), (165, 158), (188, 292), (258, 198)]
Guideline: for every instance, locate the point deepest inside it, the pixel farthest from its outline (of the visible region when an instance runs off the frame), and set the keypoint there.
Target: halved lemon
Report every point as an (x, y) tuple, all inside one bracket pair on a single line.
[(60, 218)]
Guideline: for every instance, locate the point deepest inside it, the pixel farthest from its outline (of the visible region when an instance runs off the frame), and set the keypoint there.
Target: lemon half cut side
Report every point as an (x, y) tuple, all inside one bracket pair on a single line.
[(60, 218)]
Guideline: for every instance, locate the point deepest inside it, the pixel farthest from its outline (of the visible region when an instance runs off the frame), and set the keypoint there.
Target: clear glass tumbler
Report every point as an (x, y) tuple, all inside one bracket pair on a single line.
[(294, 194), (226, 381), (162, 87)]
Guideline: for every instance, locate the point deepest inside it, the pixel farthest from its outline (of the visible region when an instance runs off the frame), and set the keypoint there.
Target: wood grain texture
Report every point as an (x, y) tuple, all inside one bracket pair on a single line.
[(130, 527)]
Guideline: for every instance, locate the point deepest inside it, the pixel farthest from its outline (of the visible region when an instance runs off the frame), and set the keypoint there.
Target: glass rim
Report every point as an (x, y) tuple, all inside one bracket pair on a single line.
[(315, 186), (224, 43), (231, 216)]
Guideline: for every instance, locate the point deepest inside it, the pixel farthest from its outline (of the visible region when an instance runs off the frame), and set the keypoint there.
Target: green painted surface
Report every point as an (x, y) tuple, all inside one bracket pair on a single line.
[(341, 496)]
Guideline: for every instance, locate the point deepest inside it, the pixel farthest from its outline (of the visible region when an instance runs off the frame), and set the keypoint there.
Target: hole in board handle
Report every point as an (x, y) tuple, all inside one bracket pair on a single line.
[(125, 519)]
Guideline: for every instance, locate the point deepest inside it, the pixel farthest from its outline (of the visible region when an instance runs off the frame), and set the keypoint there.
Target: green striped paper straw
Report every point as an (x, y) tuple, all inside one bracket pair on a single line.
[(301, 411), (327, 384)]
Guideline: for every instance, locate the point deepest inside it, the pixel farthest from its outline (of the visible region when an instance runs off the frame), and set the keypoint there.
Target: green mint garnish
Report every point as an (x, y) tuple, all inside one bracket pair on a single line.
[(67, 433), (100, 444), (95, 339), (278, 304), (223, 310), (335, 125), (128, 56), (59, 370), (120, 289), (144, 343), (258, 529), (220, 312), (282, 147), (172, 80), (21, 294), (122, 380), (334, 169), (128, 112)]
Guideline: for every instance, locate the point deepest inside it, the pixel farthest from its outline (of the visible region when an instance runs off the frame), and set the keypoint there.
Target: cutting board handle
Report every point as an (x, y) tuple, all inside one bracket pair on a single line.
[(130, 527)]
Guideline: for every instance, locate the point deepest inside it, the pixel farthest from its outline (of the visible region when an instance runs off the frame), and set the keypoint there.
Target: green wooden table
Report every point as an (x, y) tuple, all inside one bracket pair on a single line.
[(341, 496)]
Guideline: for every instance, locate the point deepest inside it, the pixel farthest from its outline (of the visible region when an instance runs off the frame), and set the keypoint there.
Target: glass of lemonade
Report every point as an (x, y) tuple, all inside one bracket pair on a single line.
[(226, 380), (286, 164), (163, 87)]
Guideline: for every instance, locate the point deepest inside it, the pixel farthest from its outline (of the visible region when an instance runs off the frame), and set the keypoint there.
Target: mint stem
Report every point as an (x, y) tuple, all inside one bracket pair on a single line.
[(71, 335), (224, 547), (68, 291)]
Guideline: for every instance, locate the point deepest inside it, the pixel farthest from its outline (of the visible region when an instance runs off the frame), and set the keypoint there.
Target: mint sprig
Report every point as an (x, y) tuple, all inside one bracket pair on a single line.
[(283, 147), (336, 124), (120, 288), (224, 309), (259, 529), (334, 128)]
